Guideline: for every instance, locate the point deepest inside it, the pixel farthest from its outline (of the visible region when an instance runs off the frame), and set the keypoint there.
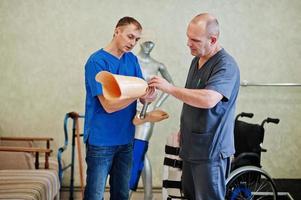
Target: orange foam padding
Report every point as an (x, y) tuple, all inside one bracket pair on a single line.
[(121, 87)]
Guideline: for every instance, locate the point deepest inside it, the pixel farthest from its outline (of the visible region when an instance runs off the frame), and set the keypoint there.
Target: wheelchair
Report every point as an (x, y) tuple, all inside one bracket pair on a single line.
[(247, 180)]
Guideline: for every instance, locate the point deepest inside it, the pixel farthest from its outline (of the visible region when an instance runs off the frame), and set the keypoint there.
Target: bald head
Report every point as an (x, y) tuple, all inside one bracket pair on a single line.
[(202, 34), (208, 23)]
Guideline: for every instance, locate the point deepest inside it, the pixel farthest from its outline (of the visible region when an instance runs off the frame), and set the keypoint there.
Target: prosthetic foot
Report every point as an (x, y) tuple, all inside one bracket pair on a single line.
[(153, 116)]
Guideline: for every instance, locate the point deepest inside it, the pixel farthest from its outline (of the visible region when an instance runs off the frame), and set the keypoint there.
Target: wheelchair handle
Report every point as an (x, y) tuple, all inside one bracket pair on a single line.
[(272, 120), (249, 115), (243, 114)]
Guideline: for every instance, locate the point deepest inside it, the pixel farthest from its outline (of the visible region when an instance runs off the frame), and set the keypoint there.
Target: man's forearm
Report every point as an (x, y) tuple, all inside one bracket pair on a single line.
[(111, 106), (200, 98)]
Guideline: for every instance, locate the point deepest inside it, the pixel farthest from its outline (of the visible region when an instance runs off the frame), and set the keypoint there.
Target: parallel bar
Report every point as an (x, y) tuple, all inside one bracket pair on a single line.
[(246, 83)]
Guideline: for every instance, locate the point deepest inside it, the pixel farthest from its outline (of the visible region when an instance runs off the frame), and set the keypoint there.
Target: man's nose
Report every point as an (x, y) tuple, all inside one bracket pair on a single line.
[(133, 42)]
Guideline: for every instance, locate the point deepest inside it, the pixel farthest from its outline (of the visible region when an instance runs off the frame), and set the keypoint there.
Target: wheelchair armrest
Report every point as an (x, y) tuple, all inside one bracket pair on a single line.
[(249, 156), (263, 150)]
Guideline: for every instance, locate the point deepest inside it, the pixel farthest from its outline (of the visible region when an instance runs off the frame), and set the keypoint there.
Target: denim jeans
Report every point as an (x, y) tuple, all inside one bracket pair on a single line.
[(115, 161)]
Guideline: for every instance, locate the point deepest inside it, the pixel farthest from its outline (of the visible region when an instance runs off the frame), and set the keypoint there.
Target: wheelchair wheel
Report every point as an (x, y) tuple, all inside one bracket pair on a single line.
[(249, 182)]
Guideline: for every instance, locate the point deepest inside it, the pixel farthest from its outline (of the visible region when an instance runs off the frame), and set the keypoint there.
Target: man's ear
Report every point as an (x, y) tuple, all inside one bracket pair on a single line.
[(213, 39), (116, 31)]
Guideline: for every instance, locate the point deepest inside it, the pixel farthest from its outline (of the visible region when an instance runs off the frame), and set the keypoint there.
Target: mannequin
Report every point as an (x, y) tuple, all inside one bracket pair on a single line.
[(149, 67)]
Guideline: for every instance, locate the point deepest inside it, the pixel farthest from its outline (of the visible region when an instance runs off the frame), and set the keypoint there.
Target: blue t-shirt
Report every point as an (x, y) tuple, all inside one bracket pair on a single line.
[(102, 128), (207, 134)]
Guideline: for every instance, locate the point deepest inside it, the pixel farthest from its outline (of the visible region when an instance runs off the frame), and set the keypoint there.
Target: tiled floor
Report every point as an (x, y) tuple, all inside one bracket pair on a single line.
[(156, 195), (135, 196)]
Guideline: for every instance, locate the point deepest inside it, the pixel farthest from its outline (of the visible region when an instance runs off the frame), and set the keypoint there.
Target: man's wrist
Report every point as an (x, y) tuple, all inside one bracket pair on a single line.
[(142, 100), (172, 90)]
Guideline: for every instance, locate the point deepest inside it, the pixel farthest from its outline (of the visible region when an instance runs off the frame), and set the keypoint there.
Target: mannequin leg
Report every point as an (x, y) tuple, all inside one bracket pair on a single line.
[(130, 194), (147, 179)]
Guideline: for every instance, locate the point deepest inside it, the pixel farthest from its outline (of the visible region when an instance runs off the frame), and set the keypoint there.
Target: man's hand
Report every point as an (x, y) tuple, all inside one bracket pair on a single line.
[(150, 95), (161, 84)]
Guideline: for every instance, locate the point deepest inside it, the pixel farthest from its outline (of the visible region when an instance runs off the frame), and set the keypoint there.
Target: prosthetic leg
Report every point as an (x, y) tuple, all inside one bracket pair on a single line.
[(141, 162)]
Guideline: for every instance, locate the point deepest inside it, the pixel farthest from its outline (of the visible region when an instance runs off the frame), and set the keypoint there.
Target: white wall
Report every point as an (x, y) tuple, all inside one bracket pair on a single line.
[(45, 44)]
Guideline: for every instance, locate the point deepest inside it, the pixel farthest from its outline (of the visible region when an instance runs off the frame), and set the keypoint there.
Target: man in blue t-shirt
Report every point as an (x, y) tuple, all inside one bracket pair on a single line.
[(108, 129), (207, 118)]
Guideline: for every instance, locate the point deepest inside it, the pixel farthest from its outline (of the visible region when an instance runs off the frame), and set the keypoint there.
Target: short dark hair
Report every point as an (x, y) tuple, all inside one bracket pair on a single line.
[(127, 21)]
